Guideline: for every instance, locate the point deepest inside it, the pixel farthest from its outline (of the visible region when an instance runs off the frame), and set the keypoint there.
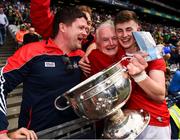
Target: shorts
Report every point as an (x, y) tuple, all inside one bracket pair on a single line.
[(156, 132)]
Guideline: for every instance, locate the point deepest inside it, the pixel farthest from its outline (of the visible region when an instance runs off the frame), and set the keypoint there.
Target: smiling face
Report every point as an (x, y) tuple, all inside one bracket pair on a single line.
[(76, 32), (124, 33), (126, 22), (107, 41)]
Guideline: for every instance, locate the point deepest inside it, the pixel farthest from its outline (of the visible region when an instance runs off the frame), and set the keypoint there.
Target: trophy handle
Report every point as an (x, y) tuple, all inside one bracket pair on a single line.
[(57, 103), (125, 58)]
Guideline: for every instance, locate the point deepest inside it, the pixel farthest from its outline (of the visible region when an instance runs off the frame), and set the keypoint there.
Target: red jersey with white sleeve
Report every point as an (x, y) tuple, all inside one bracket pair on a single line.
[(158, 111)]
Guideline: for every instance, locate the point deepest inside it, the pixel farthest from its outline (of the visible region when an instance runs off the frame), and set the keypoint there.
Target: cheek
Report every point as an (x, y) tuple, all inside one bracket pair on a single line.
[(115, 42), (119, 40), (130, 33), (102, 48), (118, 34)]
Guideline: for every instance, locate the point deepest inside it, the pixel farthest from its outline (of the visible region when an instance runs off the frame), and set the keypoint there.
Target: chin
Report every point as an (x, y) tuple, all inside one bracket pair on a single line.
[(79, 47), (111, 54), (76, 48), (126, 46)]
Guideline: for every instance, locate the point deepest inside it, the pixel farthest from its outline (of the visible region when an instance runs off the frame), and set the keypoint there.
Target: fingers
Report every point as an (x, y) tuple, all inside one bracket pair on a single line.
[(33, 135), (85, 66), (141, 58), (137, 64), (24, 133)]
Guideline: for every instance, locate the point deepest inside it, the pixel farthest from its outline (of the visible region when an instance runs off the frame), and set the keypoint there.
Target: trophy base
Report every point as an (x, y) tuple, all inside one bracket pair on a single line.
[(127, 125)]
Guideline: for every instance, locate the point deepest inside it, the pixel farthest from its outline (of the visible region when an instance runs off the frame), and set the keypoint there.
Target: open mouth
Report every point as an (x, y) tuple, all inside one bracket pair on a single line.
[(80, 39), (126, 40), (112, 48)]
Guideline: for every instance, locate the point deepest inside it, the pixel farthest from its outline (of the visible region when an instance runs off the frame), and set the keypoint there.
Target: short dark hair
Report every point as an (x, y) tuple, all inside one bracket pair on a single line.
[(125, 16), (67, 15), (85, 8)]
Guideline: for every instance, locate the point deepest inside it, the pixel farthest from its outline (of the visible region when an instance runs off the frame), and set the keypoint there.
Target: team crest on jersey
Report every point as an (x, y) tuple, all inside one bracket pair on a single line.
[(75, 65), (50, 64)]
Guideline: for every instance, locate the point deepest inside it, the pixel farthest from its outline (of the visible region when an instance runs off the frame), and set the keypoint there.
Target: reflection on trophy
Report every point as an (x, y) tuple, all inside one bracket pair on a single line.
[(102, 96)]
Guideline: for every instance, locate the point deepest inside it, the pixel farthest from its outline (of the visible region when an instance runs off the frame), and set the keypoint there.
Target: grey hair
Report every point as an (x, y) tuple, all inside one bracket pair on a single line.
[(107, 23)]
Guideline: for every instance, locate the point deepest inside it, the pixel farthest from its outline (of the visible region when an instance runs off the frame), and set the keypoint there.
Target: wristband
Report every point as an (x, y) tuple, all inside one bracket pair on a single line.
[(140, 77)]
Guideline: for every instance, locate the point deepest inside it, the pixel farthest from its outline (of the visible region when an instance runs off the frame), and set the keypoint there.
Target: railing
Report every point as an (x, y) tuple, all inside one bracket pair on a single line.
[(79, 129)]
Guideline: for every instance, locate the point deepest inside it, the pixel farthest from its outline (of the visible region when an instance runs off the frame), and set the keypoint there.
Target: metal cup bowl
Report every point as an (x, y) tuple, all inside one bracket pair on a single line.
[(100, 95)]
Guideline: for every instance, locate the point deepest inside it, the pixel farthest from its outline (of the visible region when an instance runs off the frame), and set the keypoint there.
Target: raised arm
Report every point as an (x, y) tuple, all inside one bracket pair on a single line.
[(153, 82), (42, 17)]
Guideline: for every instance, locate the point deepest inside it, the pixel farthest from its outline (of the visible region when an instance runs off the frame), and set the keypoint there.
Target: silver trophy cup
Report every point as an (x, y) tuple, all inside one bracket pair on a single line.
[(102, 96)]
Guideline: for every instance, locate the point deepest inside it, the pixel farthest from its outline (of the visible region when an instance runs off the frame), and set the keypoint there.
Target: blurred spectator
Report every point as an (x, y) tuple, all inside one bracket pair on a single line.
[(31, 36), (20, 34), (159, 36), (175, 55), (167, 49), (174, 86), (18, 17), (173, 39), (11, 17), (167, 36), (25, 15), (3, 24)]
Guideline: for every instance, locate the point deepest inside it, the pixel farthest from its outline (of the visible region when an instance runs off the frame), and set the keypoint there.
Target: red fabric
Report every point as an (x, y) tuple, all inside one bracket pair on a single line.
[(100, 61), (30, 118), (35, 49), (3, 131), (139, 100), (42, 17)]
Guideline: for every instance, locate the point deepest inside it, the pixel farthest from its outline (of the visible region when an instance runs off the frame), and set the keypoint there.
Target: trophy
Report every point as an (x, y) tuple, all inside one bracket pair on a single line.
[(102, 96)]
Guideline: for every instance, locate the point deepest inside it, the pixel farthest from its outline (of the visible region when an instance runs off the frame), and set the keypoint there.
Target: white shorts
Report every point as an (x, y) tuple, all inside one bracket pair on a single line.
[(156, 132)]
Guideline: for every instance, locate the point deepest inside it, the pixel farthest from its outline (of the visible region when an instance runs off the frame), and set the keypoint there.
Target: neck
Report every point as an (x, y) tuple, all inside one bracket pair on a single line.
[(134, 48), (62, 44)]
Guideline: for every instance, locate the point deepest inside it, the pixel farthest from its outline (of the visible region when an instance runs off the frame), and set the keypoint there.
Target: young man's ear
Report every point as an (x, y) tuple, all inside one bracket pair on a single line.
[(62, 27)]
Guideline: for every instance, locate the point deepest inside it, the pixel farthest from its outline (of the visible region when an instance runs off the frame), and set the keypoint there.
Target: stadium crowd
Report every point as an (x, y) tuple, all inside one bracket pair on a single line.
[(18, 13)]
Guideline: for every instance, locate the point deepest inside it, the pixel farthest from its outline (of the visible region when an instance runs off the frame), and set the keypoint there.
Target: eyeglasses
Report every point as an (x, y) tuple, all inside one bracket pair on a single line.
[(67, 62)]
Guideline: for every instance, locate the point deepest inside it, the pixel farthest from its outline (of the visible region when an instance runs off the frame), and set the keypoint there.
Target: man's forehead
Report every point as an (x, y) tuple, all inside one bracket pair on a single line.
[(106, 29), (105, 34), (126, 24), (81, 20)]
